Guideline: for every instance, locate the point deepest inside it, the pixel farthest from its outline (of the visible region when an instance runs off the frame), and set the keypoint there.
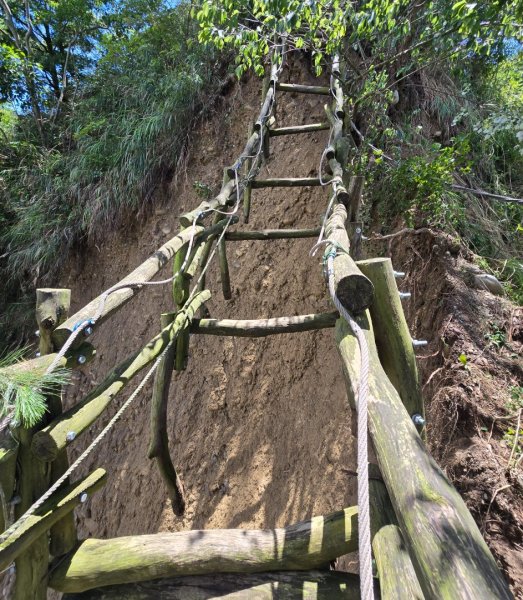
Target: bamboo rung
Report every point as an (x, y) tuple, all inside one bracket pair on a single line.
[(303, 89), (299, 129), (271, 234), (288, 182), (264, 327)]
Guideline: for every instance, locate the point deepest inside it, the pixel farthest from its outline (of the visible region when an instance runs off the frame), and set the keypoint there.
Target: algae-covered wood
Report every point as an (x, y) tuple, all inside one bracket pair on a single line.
[(145, 272), (303, 546), (59, 504), (8, 455), (353, 289), (322, 90), (392, 334), (264, 327), (50, 440), (288, 585), (52, 308), (159, 441), (271, 234), (397, 577), (449, 555)]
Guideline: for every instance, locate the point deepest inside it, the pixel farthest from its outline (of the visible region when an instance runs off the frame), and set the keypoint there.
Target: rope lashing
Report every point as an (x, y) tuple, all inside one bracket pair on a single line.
[(364, 541)]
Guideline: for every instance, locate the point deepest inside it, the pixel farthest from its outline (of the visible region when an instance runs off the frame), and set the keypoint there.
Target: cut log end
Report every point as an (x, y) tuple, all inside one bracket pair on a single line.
[(355, 292)]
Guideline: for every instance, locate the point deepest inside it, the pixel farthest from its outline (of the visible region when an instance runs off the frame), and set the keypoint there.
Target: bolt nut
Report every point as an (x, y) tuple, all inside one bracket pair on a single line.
[(83, 497), (37, 333), (418, 420), (82, 360), (404, 295), (38, 354), (419, 343), (15, 500), (358, 230), (399, 274), (88, 331), (70, 436)]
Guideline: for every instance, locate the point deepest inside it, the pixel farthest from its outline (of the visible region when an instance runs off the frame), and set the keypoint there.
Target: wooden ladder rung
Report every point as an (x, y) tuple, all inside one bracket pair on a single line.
[(271, 234), (287, 182), (299, 129), (303, 89)]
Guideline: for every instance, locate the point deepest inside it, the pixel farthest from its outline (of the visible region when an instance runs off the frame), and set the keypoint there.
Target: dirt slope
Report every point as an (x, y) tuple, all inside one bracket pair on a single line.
[(260, 429)]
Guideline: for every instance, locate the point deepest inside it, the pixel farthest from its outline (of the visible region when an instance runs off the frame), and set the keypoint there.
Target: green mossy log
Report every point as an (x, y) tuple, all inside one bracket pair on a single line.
[(264, 327), (353, 289), (159, 442), (271, 234), (298, 129), (224, 270), (322, 90), (304, 546), (287, 182), (145, 272), (53, 438), (8, 455), (397, 577), (449, 555), (392, 334), (289, 585), (36, 525)]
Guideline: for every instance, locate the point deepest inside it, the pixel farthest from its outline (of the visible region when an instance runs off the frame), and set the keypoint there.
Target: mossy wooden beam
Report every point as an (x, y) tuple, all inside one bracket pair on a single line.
[(52, 309), (322, 90), (285, 585), (271, 234), (264, 327), (296, 129), (306, 545), (224, 270), (55, 508), (53, 438), (396, 574), (450, 557), (159, 442), (145, 272), (353, 289), (392, 334), (287, 182), (8, 455), (40, 364)]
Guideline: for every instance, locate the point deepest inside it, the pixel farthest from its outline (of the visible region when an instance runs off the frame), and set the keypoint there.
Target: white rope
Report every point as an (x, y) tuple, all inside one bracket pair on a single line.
[(364, 542), (88, 450)]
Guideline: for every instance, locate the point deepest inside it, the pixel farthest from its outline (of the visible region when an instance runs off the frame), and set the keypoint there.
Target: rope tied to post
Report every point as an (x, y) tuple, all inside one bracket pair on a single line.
[(364, 543)]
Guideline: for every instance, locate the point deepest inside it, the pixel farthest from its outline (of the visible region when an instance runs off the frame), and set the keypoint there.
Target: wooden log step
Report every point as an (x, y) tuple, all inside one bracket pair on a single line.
[(64, 429), (449, 554), (303, 89), (51, 511), (264, 327), (271, 234), (288, 585), (288, 182), (307, 545), (298, 129)]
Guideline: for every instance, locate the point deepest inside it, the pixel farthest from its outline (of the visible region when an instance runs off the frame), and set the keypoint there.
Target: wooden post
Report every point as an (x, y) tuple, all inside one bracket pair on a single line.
[(53, 438), (285, 585), (8, 455), (34, 527), (224, 270), (303, 546), (392, 334), (353, 289), (449, 555), (159, 443), (52, 309)]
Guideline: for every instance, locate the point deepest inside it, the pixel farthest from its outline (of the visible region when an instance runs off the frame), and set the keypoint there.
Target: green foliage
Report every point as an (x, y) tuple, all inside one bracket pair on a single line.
[(496, 336), (515, 398), (23, 392)]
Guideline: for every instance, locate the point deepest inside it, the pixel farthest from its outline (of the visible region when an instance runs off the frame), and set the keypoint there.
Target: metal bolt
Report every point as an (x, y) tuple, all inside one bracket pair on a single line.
[(404, 295), (358, 230), (88, 330), (81, 359), (37, 354), (37, 333), (83, 497), (419, 343), (15, 500), (418, 420), (12, 569), (70, 436), (399, 274)]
